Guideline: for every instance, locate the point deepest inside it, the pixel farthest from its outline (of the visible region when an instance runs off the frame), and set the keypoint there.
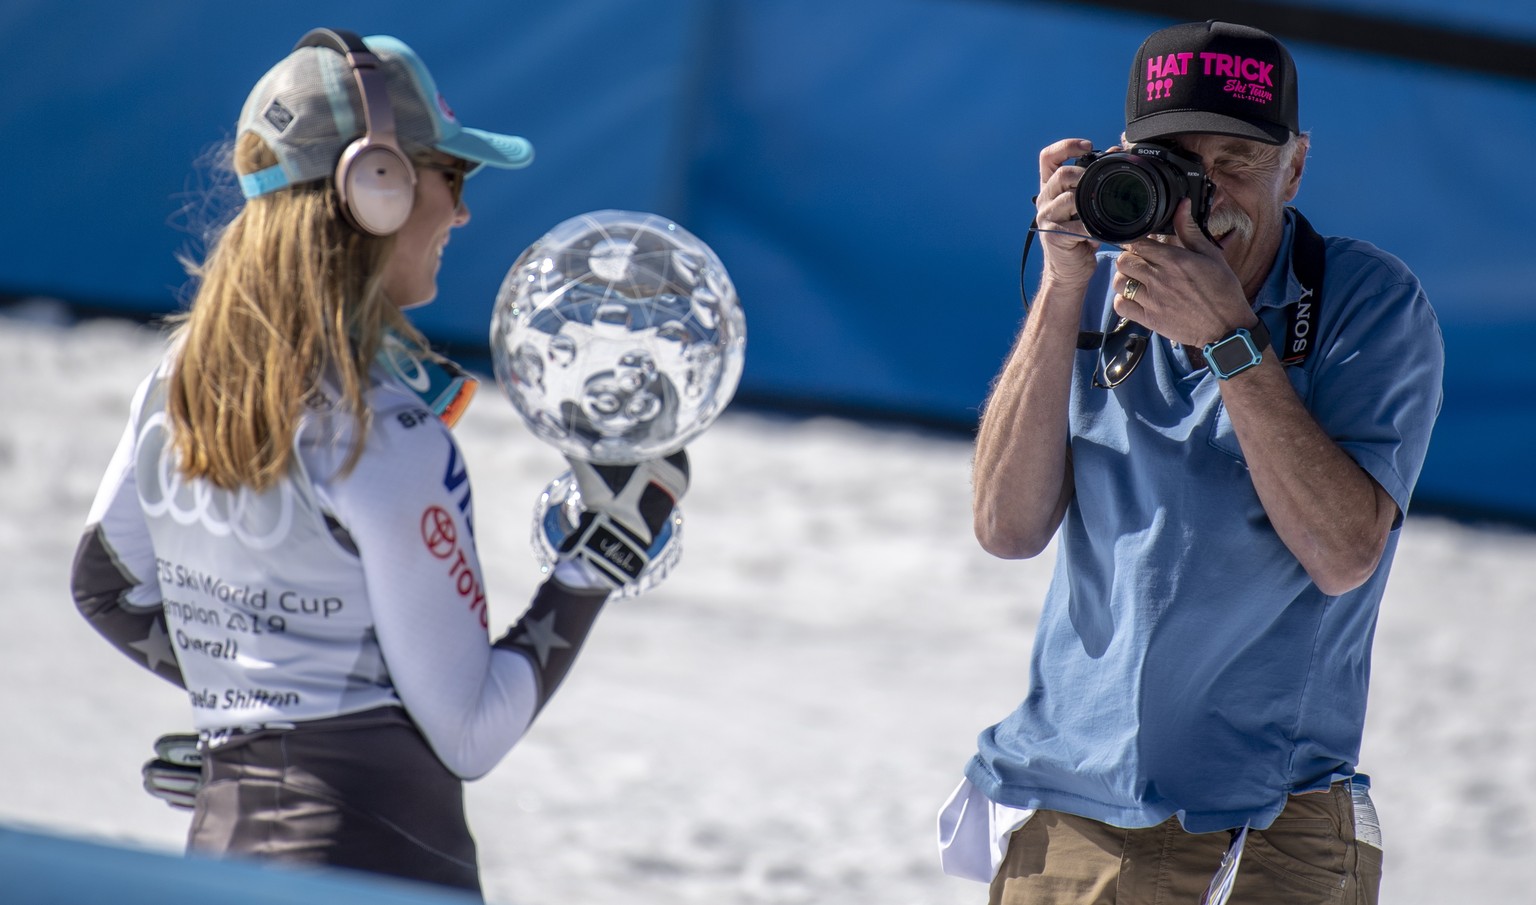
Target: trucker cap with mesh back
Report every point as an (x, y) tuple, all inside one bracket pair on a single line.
[(307, 109)]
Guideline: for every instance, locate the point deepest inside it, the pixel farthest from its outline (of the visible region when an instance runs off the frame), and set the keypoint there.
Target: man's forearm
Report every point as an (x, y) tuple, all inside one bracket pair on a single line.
[(1022, 476), (1328, 510)]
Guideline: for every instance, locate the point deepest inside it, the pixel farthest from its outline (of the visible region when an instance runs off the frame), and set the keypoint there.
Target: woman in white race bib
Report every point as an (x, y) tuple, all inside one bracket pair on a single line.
[(286, 529)]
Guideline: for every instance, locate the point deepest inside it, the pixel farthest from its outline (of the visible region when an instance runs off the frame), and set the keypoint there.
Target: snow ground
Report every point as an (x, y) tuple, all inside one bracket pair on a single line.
[(781, 720)]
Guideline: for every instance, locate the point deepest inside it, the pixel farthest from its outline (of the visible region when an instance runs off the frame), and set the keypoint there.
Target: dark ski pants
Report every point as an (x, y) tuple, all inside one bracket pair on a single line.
[(362, 791)]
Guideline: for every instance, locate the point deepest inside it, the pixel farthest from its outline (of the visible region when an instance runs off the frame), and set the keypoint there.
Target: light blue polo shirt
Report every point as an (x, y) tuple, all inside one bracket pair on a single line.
[(1184, 663)]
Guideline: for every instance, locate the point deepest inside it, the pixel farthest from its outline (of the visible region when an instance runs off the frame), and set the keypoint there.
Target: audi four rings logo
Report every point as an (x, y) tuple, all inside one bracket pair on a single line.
[(259, 520)]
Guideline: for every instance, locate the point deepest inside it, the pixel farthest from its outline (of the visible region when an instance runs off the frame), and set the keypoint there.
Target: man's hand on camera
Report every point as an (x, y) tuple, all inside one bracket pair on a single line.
[(1187, 291), (1066, 247)]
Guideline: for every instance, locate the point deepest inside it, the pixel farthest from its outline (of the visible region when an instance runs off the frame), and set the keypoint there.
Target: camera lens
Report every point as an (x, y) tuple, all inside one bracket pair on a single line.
[(1124, 197)]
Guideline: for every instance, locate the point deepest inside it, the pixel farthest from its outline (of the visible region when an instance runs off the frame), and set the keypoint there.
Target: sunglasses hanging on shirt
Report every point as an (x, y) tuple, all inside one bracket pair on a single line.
[(1120, 348), (1120, 351)]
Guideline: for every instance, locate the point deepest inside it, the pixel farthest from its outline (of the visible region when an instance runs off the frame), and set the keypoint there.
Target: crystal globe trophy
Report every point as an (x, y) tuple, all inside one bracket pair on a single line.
[(618, 337)]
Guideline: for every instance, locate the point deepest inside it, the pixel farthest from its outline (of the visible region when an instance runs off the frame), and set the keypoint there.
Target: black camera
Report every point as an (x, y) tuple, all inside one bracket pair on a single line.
[(1126, 195)]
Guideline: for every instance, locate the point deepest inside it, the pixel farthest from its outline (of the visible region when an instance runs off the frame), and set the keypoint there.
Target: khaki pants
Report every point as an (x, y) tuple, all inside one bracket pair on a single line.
[(1309, 855)]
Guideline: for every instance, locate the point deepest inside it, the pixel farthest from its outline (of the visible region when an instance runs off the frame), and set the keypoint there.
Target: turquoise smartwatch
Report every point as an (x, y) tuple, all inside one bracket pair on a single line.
[(1238, 352)]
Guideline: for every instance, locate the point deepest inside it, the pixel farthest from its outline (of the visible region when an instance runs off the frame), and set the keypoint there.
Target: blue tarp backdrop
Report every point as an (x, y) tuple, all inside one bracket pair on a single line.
[(863, 167)]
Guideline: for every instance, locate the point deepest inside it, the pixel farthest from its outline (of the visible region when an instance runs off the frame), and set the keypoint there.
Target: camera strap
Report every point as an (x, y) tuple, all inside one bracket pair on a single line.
[(1307, 261), (1307, 256)]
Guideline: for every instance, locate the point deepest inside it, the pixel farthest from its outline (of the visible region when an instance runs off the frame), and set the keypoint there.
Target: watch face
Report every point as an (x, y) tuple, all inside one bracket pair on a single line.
[(1233, 354), (1230, 355)]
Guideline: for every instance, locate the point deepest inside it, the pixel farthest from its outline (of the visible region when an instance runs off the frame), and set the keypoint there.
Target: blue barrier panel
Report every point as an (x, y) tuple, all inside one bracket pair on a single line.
[(868, 183), (1489, 16), (863, 168), (102, 195), (40, 868)]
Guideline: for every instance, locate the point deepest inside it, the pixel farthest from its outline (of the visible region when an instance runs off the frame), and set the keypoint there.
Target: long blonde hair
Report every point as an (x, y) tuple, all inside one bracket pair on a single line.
[(288, 294)]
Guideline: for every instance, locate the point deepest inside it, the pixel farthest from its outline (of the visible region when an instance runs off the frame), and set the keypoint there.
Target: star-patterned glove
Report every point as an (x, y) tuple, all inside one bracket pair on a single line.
[(626, 508)]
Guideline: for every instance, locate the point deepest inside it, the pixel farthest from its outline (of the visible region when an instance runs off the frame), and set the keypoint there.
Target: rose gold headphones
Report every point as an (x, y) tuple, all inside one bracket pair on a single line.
[(375, 181)]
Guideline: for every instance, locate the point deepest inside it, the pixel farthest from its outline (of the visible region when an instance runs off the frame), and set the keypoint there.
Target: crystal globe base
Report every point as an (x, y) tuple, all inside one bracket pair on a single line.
[(558, 511)]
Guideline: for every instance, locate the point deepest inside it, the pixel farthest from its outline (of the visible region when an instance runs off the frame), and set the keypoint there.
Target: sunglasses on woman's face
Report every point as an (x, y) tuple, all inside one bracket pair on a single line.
[(455, 171)]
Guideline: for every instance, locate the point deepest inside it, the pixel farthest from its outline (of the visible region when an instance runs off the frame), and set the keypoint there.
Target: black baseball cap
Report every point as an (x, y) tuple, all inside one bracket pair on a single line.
[(1212, 77)]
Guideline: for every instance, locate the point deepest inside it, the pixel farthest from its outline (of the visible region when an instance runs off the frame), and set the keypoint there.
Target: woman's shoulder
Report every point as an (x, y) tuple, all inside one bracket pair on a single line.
[(399, 426)]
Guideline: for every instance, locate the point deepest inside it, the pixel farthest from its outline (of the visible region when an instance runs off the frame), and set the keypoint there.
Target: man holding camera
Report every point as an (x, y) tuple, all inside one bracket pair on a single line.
[(1221, 423)]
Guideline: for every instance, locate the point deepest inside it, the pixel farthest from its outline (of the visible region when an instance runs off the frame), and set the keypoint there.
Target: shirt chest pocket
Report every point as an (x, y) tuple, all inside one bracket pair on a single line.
[(1222, 434)]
